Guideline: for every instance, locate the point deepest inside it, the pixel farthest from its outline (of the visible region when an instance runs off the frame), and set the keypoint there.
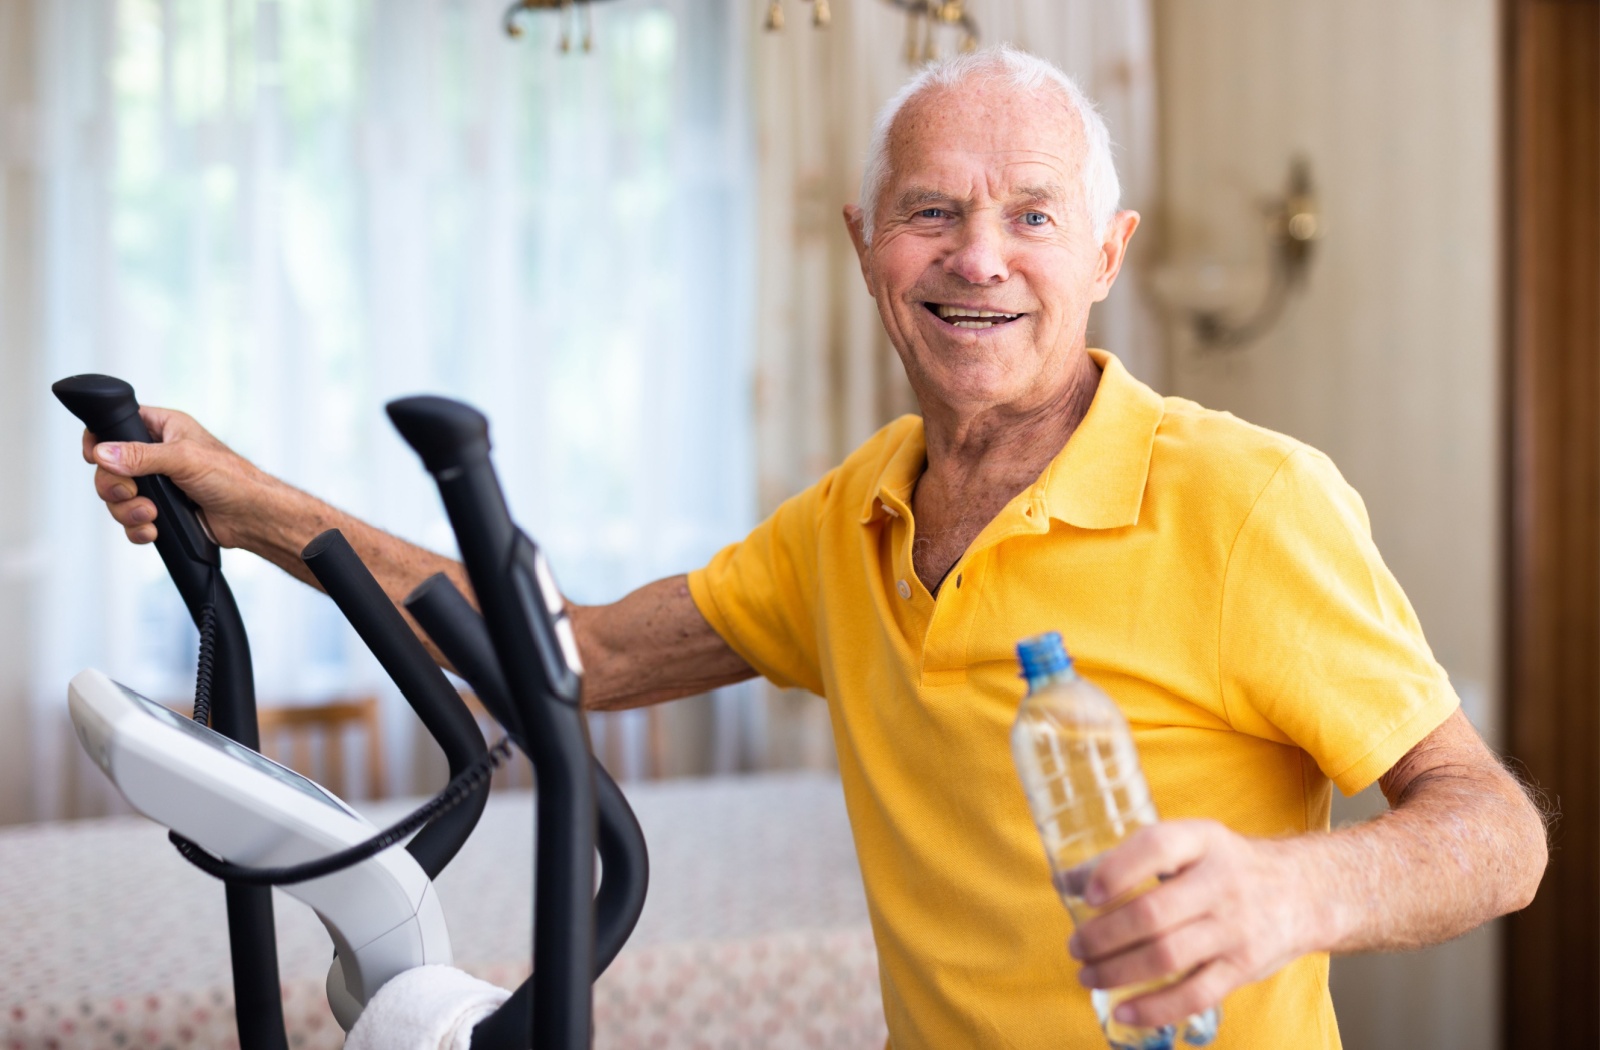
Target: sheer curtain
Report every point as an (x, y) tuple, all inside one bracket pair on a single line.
[(278, 214)]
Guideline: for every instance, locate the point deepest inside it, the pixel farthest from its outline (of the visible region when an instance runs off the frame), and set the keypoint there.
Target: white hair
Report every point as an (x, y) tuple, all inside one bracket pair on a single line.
[(1017, 69)]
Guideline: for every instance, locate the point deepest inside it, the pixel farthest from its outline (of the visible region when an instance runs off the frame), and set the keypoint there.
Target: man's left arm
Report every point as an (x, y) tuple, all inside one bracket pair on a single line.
[(1461, 844)]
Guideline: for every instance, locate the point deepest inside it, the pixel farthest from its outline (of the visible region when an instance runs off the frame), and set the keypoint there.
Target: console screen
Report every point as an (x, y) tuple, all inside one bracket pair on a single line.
[(216, 740)]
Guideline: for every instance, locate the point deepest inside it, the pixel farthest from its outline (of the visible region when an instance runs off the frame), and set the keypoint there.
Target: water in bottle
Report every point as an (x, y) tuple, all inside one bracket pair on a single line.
[(1081, 773)]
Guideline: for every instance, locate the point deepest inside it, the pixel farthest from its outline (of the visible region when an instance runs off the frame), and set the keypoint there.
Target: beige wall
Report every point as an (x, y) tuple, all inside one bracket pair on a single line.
[(17, 193), (1388, 360)]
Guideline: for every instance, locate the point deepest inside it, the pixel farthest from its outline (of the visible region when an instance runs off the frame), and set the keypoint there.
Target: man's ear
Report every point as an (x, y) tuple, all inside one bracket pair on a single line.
[(1114, 250), (855, 221)]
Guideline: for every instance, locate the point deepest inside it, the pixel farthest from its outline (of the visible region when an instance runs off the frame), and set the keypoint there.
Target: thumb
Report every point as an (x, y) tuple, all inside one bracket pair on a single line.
[(136, 459)]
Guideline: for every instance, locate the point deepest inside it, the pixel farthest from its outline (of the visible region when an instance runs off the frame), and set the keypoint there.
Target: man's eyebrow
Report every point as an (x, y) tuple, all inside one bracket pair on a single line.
[(919, 197), (1041, 193)]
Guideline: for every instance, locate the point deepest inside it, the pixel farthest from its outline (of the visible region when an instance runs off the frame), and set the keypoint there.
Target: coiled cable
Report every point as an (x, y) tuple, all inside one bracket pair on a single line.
[(205, 666), (460, 788)]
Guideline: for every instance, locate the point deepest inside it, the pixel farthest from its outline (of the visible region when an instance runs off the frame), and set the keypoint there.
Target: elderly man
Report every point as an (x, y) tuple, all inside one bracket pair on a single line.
[(1218, 580)]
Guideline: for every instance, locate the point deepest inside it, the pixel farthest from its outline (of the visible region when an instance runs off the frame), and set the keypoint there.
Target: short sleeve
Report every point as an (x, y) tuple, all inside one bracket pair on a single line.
[(760, 594), (1318, 645)]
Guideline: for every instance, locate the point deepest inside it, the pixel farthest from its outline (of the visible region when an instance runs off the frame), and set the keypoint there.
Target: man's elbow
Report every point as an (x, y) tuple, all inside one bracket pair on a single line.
[(1532, 853)]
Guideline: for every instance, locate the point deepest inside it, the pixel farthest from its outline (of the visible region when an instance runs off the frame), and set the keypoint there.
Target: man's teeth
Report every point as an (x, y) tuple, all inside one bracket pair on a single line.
[(972, 318)]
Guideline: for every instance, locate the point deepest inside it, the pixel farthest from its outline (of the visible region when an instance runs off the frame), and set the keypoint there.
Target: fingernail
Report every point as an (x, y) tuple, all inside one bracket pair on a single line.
[(1125, 1014), (109, 454), (1087, 976), (1074, 948), (142, 514), (1095, 895)]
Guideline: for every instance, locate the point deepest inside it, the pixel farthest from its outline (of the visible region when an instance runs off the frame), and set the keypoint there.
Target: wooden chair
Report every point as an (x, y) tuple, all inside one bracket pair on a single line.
[(613, 750), (314, 735)]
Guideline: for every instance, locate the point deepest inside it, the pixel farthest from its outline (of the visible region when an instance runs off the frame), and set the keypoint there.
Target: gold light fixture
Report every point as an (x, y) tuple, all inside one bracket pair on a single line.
[(928, 22), (1294, 224), (573, 20)]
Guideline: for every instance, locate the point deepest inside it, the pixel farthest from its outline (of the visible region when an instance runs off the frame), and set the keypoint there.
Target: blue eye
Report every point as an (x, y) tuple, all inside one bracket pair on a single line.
[(931, 213), (1035, 218)]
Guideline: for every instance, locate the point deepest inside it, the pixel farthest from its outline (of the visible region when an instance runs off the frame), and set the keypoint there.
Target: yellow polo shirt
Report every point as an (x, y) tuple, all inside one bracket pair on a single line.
[(1218, 580)]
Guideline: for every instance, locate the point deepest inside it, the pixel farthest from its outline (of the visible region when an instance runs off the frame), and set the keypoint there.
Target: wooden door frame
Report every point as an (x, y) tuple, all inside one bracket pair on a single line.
[(1551, 166)]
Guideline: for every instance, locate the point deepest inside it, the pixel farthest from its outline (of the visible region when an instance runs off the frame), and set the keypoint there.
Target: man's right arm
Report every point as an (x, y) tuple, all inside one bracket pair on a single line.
[(650, 646)]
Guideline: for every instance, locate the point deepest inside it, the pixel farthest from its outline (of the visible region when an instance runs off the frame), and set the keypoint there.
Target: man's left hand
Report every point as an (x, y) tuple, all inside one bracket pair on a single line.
[(1229, 910)]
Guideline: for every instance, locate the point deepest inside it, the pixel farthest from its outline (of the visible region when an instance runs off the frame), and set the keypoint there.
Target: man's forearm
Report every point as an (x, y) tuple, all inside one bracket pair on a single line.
[(288, 519), (650, 646), (1462, 845)]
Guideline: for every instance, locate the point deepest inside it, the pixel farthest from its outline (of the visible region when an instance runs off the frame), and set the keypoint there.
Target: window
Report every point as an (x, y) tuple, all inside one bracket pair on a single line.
[(279, 214)]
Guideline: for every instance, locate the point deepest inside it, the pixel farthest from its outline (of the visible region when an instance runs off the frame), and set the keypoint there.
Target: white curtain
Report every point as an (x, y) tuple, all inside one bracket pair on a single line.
[(279, 214), (826, 375)]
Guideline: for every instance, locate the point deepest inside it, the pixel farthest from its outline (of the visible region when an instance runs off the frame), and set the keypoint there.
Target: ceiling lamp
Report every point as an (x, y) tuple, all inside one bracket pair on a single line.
[(927, 22)]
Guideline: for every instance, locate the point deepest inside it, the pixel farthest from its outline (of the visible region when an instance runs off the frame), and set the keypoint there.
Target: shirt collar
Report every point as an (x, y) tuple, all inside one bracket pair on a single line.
[(1096, 481)]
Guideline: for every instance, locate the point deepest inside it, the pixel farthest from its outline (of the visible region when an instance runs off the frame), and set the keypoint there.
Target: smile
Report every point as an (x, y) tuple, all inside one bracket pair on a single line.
[(969, 317)]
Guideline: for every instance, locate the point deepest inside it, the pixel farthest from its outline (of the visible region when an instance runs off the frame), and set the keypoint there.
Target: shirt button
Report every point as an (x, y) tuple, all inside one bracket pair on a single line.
[(904, 588)]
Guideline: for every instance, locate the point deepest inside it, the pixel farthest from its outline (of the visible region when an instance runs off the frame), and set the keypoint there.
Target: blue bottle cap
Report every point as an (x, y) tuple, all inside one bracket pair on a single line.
[(1043, 655)]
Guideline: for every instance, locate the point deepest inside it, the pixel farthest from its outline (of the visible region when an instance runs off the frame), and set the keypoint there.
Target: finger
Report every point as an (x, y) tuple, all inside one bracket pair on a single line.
[(133, 513), (136, 459), (114, 488), (1197, 992), (89, 442), (1177, 902), (1178, 951), (1148, 854), (142, 534)]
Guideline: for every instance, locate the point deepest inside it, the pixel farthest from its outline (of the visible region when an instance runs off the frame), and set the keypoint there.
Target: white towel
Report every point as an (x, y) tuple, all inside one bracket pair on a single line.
[(426, 1008)]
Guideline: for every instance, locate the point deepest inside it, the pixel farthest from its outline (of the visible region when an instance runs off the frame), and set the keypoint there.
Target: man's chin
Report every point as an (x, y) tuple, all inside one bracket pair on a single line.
[(971, 387)]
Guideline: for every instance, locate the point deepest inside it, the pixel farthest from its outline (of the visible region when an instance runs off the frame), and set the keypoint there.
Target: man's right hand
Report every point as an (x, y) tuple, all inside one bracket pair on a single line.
[(224, 484)]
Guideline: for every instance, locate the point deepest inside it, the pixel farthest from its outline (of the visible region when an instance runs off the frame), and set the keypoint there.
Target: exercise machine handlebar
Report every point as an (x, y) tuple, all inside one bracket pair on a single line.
[(534, 648), (110, 410), (360, 598)]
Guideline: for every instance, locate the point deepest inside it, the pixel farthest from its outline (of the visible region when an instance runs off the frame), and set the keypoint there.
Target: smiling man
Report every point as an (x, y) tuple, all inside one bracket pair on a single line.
[(1218, 580)]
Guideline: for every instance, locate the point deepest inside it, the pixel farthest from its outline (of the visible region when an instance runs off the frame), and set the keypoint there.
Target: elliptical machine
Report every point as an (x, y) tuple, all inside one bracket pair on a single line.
[(520, 656)]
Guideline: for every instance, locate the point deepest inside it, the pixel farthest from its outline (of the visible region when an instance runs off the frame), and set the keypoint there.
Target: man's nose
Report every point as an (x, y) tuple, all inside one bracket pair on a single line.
[(980, 255)]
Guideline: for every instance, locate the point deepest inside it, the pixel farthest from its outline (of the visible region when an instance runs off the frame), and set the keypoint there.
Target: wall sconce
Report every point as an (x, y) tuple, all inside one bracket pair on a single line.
[(1294, 225)]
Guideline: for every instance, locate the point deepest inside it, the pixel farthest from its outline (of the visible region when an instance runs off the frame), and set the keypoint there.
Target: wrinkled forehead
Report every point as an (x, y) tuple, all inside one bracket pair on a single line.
[(988, 136)]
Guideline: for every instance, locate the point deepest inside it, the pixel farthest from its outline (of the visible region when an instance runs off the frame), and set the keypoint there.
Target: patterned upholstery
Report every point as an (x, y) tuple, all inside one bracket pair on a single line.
[(754, 935)]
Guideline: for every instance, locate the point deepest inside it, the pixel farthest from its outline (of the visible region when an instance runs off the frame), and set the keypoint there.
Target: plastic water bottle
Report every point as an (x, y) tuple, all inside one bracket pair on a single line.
[(1081, 773)]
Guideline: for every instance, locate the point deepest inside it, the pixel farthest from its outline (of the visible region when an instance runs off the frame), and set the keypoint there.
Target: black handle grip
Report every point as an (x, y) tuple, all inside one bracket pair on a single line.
[(108, 407), (444, 613), (342, 574), (445, 433)]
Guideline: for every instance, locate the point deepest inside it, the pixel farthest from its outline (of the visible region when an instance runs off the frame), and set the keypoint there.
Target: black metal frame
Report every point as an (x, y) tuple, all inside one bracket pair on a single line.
[(514, 659)]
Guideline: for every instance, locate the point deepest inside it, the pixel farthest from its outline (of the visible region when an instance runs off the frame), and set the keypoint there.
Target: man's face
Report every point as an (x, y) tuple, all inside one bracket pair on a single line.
[(984, 261)]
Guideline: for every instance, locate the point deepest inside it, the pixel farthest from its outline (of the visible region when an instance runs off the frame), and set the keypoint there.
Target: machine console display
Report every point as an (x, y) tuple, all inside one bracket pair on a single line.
[(211, 738)]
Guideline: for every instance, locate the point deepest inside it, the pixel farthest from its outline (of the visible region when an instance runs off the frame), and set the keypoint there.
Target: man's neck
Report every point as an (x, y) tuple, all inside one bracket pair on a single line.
[(979, 448), (978, 462)]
